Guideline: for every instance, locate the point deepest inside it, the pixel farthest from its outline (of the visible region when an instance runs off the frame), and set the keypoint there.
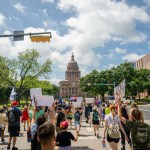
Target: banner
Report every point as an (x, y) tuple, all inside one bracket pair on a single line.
[(44, 100), (120, 90)]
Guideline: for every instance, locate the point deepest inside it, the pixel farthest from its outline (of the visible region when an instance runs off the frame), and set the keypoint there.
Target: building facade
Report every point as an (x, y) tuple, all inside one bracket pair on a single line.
[(143, 63), (71, 85)]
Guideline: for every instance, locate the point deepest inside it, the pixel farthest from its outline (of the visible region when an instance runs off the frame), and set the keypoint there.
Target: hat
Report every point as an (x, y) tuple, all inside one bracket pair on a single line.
[(64, 125), (14, 103), (94, 108)]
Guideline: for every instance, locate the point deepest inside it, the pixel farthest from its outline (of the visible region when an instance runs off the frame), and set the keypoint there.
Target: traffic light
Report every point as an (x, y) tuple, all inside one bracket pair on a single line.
[(40, 38)]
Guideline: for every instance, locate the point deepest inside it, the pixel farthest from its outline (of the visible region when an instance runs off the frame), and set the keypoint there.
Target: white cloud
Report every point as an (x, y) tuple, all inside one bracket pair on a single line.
[(101, 21), (132, 57), (120, 51), (48, 1), (20, 7), (45, 11), (110, 55), (2, 19)]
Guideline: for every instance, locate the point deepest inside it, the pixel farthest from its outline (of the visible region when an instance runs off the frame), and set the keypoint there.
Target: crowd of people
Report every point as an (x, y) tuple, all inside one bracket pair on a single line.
[(48, 127)]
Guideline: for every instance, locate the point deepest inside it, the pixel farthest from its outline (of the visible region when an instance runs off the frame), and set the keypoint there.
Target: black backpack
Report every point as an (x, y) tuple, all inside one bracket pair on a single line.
[(11, 116), (35, 144)]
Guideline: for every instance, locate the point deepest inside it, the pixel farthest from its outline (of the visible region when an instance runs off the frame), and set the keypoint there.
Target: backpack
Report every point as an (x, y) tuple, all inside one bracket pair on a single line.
[(35, 144), (11, 116), (95, 116), (140, 135), (113, 130), (77, 116)]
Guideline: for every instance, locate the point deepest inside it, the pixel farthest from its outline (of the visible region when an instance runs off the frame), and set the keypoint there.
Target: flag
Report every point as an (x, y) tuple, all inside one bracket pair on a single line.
[(12, 95), (60, 99)]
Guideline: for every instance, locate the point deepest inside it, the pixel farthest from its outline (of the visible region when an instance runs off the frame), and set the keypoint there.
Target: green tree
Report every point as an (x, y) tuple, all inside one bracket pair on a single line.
[(25, 68), (140, 82)]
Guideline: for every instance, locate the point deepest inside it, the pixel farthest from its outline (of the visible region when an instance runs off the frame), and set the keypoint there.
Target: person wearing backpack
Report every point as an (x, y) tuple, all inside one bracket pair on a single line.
[(140, 131), (77, 119), (95, 121), (112, 126), (13, 115)]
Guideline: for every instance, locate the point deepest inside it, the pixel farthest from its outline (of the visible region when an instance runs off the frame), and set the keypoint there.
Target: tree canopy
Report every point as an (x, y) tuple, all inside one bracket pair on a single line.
[(20, 72)]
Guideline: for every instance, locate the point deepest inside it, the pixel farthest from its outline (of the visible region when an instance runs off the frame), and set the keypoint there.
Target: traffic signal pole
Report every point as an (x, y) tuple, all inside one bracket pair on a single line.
[(19, 36), (25, 34)]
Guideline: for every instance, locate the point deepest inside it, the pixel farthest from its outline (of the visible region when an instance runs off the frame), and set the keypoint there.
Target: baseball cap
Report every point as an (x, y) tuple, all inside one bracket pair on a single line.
[(14, 103)]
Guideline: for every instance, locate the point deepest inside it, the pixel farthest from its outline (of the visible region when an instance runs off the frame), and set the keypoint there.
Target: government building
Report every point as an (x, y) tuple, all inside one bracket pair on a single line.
[(143, 63), (70, 87)]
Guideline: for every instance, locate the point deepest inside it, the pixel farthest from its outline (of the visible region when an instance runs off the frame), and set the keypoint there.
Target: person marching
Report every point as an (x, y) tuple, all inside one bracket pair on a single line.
[(95, 121), (63, 138), (77, 119), (112, 126), (25, 117), (140, 131), (69, 116)]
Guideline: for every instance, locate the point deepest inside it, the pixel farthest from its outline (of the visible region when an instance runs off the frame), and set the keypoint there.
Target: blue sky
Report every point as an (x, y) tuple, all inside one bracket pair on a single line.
[(100, 33)]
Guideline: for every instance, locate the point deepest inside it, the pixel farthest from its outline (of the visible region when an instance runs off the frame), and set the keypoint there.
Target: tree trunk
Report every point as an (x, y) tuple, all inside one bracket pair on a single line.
[(103, 98), (139, 96)]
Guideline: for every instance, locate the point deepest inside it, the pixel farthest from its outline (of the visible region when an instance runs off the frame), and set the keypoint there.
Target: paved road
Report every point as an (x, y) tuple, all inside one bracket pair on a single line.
[(86, 141)]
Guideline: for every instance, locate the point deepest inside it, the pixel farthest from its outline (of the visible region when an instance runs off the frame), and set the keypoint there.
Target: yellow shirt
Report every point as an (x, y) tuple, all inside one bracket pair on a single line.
[(107, 111)]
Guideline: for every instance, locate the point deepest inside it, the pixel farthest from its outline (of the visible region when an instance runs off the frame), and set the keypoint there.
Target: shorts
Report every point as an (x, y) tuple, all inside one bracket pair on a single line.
[(77, 123), (69, 118), (14, 131), (95, 122), (109, 139)]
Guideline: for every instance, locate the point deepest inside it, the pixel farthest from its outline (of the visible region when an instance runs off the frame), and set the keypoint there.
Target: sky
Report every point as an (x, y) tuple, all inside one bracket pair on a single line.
[(100, 33)]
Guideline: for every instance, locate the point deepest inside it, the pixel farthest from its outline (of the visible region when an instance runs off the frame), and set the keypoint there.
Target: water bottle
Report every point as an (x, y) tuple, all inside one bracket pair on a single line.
[(103, 143)]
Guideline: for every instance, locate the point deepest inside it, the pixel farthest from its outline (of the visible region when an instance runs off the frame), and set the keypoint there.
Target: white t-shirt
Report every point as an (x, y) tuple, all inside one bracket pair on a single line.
[(110, 119)]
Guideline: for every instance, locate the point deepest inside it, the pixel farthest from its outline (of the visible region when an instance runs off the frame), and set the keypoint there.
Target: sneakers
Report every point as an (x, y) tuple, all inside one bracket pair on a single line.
[(8, 147), (97, 135), (14, 148), (2, 140)]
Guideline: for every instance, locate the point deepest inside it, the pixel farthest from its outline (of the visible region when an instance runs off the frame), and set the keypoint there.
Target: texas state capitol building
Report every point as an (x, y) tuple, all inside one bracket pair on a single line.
[(71, 85)]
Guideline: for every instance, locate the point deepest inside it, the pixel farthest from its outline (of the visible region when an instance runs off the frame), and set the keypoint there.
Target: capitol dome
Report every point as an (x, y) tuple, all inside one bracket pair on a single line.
[(72, 65)]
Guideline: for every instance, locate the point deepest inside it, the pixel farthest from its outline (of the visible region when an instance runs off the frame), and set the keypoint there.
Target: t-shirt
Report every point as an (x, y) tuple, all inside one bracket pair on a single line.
[(64, 138), (17, 113), (107, 111), (110, 119), (39, 113), (140, 134)]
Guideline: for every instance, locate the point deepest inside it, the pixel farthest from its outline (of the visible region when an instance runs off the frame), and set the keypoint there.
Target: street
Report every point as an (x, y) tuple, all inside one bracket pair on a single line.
[(86, 140)]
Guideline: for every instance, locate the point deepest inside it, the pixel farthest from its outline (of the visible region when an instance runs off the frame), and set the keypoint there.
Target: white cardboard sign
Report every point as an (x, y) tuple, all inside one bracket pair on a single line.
[(44, 100), (76, 104), (79, 99), (120, 89), (35, 91)]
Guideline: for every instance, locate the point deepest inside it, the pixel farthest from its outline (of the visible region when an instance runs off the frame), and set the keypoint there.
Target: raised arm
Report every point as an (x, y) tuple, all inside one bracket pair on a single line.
[(119, 111)]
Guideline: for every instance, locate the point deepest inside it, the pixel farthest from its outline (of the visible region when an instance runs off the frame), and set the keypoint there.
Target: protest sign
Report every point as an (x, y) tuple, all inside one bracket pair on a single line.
[(44, 100), (79, 99), (34, 92), (76, 104), (120, 90)]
